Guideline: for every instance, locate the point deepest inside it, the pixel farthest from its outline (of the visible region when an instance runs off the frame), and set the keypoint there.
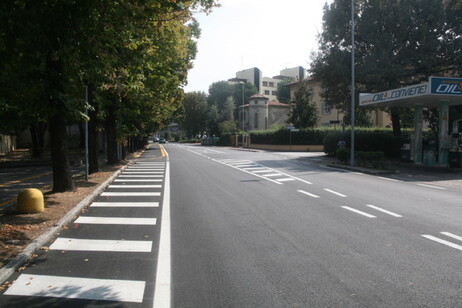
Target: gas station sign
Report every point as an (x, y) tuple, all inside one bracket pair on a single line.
[(446, 86)]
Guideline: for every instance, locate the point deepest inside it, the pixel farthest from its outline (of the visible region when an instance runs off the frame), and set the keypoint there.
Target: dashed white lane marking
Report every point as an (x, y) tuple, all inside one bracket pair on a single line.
[(131, 194), (383, 210), (308, 194), (438, 240), (335, 193), (456, 237), (116, 221), (358, 212), (388, 179), (134, 180), (122, 176), (135, 186), (100, 245), (82, 288), (285, 180), (125, 204), (431, 186)]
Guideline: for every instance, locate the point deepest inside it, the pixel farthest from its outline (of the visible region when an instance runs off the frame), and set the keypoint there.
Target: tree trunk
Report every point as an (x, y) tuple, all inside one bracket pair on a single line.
[(395, 120), (37, 132), (62, 177), (110, 126), (93, 146)]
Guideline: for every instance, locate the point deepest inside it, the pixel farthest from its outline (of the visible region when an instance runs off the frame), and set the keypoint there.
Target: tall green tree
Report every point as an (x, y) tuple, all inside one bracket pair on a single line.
[(397, 43), (283, 92), (303, 111), (195, 113)]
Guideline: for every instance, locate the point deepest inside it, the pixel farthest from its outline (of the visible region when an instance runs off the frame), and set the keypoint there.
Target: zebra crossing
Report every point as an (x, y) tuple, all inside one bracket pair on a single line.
[(260, 171), (127, 211)]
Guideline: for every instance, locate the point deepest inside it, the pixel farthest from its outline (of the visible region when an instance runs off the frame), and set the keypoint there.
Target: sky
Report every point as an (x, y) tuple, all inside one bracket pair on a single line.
[(241, 34)]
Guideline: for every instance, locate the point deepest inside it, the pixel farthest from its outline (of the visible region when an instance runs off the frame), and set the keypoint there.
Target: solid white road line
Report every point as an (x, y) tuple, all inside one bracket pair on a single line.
[(134, 180), (383, 210), (431, 186), (263, 171), (116, 221), (456, 237), (272, 174), (82, 288), (145, 169), (162, 292), (122, 176), (438, 240), (358, 212), (134, 194), (388, 179), (125, 204), (135, 186), (308, 194), (100, 245), (335, 193)]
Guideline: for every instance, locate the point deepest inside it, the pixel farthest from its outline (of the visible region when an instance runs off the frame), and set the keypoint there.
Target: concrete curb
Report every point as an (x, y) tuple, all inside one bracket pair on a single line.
[(25, 255), (362, 170)]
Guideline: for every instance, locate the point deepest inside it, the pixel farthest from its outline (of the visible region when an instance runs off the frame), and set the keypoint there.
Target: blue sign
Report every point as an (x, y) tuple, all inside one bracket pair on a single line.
[(446, 86)]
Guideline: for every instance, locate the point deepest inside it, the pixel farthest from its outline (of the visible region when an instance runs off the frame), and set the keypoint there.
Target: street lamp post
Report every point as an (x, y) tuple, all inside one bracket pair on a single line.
[(352, 148), (243, 112)]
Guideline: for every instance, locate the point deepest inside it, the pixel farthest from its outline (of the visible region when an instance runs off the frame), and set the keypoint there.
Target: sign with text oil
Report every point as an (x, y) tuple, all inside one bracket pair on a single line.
[(446, 86)]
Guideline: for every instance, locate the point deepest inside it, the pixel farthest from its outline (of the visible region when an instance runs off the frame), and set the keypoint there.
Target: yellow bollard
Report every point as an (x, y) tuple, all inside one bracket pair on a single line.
[(30, 201)]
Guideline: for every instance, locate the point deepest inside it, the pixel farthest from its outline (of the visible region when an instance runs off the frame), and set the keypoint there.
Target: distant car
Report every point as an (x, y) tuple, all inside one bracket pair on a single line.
[(156, 139), (162, 140)]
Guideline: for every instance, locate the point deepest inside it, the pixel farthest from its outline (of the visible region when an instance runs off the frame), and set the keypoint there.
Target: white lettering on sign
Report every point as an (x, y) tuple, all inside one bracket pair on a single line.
[(448, 89), (400, 93)]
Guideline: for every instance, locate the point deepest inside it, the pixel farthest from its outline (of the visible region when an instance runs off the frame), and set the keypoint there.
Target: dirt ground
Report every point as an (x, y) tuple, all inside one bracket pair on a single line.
[(19, 230)]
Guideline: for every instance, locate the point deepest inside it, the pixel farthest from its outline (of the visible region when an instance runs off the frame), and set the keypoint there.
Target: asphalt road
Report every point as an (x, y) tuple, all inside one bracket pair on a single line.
[(260, 230), (253, 229)]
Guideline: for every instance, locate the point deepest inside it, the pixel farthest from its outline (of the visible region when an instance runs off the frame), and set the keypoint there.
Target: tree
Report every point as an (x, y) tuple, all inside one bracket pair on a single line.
[(303, 112), (397, 43), (283, 92), (195, 113)]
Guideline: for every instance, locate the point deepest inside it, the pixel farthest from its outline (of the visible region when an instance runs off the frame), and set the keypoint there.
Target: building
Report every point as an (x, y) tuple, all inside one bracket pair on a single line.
[(268, 86), (261, 113), (332, 116)]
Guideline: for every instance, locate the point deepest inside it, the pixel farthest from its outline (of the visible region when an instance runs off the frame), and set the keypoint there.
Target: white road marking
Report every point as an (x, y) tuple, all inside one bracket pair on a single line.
[(100, 245), (335, 193), (272, 174), (141, 172), (162, 292), (125, 204), (134, 186), (438, 240), (255, 168), (145, 169), (131, 194), (149, 164), (263, 171), (139, 176), (358, 212), (285, 180), (116, 221), (431, 186), (388, 179), (134, 180), (308, 194), (82, 288), (383, 210), (456, 237)]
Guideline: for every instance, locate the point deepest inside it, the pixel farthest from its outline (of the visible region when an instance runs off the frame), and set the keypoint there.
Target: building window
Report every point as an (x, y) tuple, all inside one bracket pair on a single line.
[(256, 121), (265, 83), (267, 92), (271, 84), (325, 108)]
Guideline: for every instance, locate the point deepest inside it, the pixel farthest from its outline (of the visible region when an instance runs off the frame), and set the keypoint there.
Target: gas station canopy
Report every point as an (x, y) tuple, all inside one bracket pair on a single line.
[(428, 94)]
